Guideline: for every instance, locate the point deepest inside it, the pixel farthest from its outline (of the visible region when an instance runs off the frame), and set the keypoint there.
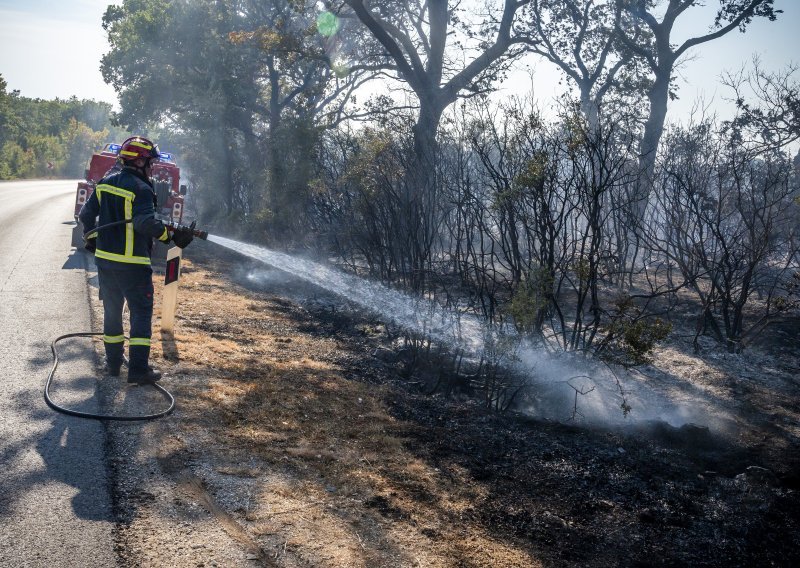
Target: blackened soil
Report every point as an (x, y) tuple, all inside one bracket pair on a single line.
[(650, 495)]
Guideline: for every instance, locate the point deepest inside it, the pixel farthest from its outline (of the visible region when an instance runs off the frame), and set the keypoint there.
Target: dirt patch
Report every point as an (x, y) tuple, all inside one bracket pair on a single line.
[(297, 443)]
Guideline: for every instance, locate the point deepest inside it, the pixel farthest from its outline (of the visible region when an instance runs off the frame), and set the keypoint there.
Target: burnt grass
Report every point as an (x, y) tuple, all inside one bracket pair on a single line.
[(647, 495)]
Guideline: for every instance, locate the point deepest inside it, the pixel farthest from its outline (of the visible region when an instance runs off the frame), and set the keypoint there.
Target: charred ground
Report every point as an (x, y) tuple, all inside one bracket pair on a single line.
[(300, 441)]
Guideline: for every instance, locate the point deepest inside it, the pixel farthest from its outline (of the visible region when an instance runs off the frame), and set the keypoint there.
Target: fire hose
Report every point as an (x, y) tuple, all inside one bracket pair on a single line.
[(70, 412), (164, 392)]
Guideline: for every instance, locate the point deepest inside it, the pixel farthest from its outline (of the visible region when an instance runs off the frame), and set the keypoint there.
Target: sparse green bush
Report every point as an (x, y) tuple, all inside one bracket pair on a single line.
[(641, 336), (632, 335), (531, 300)]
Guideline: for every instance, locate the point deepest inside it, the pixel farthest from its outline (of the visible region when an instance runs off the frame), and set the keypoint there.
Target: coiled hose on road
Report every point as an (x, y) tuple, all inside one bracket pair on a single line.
[(68, 411)]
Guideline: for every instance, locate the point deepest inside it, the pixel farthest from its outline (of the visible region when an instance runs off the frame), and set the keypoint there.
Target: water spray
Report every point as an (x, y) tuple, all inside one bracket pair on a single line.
[(474, 336), (415, 314)]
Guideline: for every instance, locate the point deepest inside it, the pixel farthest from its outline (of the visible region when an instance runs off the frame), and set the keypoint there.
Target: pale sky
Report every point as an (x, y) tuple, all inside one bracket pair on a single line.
[(52, 48)]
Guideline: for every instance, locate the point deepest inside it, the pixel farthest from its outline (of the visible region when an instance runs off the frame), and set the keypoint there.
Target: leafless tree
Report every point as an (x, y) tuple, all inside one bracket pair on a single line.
[(724, 215), (768, 106)]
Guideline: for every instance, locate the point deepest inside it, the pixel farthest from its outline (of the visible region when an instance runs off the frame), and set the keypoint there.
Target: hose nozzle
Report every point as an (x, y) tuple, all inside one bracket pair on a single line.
[(171, 226)]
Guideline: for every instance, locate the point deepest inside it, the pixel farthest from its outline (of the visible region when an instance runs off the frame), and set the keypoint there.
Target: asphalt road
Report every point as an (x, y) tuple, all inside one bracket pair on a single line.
[(55, 506)]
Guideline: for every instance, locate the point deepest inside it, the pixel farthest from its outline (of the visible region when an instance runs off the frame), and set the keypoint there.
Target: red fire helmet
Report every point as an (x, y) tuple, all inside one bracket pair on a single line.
[(137, 147)]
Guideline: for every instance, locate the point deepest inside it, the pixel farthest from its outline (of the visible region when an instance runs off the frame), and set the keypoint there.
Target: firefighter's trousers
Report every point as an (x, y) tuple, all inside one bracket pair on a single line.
[(134, 284)]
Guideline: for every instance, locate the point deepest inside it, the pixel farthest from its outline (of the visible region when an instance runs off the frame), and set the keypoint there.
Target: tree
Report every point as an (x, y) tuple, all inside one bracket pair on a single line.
[(41, 138), (657, 50), (305, 89), (723, 214), (414, 35), (171, 64), (79, 141), (768, 106), (579, 37), (245, 84), (8, 117)]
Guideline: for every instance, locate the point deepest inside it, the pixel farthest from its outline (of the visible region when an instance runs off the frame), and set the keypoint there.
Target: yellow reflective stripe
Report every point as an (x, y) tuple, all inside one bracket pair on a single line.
[(113, 338), (128, 228), (116, 191), (128, 196), (91, 236), (121, 257), (127, 153), (140, 145), (143, 341), (164, 237)]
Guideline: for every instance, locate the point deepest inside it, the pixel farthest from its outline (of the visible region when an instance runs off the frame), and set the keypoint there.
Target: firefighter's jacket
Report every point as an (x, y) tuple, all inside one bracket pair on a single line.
[(123, 194)]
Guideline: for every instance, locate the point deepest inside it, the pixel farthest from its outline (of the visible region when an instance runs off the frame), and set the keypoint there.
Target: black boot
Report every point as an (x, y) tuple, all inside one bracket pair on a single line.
[(111, 369), (146, 377)]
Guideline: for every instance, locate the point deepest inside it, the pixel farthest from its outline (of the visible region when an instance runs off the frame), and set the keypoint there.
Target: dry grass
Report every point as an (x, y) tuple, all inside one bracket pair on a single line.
[(282, 430), (336, 483)]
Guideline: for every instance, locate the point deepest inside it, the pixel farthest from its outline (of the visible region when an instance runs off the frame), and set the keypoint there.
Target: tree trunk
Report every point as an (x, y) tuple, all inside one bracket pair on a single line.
[(425, 145), (648, 147), (275, 173), (589, 106), (420, 197)]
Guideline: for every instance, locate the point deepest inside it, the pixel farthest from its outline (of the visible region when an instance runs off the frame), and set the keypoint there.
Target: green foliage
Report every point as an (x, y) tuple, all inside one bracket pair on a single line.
[(46, 150), (238, 88), (7, 116), (632, 335), (17, 162), (79, 141), (533, 173), (41, 138), (531, 299), (641, 337), (583, 270), (373, 159)]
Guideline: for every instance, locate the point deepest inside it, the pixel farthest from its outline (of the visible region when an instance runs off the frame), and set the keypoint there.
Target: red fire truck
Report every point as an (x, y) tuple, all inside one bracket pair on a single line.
[(165, 176)]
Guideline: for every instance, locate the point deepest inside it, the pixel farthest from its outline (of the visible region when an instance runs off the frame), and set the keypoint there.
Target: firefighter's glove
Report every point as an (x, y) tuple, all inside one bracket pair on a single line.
[(90, 245), (182, 237)]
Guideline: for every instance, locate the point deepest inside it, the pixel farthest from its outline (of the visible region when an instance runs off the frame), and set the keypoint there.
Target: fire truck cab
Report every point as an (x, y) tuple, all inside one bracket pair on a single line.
[(170, 195)]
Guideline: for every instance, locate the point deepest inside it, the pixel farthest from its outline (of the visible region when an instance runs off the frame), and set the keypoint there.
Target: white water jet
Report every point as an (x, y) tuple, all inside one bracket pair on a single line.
[(468, 332), (417, 315)]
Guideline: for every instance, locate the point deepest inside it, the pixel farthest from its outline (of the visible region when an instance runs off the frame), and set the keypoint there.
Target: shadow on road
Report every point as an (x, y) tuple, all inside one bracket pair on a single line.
[(75, 261), (63, 449), (65, 456), (68, 450)]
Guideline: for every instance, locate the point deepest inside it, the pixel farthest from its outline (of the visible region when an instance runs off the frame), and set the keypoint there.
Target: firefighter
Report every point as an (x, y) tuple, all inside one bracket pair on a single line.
[(122, 254)]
